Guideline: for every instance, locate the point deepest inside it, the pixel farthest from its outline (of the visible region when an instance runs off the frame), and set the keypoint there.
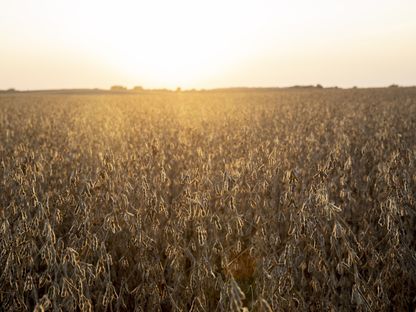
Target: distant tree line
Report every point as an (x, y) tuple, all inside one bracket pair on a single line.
[(120, 88), (9, 90), (123, 88)]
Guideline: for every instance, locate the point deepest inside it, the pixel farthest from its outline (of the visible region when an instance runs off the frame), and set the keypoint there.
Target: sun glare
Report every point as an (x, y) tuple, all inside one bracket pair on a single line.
[(181, 43)]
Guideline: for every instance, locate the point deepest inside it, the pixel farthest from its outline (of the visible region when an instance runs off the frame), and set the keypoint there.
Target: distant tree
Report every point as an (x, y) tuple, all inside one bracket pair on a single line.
[(178, 89), (302, 86), (394, 86), (319, 86), (118, 88), (138, 88)]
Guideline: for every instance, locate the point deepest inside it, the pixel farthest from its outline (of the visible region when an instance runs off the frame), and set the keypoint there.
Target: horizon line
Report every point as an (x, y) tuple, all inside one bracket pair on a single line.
[(138, 88)]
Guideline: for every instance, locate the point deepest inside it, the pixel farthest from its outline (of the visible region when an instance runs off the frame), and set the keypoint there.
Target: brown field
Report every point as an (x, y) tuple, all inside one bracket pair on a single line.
[(267, 200)]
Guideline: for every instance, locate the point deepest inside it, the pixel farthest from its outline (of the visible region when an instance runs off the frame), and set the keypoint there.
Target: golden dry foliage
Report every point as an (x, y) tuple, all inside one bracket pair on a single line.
[(264, 200)]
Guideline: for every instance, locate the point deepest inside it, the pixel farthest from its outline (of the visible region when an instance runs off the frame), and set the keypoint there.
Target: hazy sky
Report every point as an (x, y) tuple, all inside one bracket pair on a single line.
[(204, 44)]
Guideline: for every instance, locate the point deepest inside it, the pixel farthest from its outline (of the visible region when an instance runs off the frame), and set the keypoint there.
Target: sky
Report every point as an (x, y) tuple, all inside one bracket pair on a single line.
[(54, 44)]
